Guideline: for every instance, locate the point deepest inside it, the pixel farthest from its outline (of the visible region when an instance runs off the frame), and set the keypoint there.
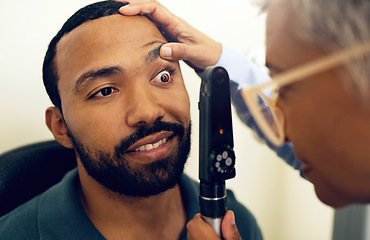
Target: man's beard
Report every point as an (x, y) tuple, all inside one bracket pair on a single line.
[(118, 174)]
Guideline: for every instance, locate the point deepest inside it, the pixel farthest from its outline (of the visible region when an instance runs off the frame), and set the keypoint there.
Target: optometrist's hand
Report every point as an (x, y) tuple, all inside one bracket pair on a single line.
[(199, 229), (195, 48)]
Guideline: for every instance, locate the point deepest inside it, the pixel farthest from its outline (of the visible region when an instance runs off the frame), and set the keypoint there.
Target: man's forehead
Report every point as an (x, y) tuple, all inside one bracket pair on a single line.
[(105, 41), (110, 26)]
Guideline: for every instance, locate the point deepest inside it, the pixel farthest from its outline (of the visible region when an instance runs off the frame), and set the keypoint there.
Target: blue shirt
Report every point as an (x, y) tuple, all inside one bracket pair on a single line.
[(58, 214)]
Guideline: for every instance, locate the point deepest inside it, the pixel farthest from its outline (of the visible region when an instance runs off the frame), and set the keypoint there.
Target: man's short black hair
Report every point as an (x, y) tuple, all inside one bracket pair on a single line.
[(85, 14)]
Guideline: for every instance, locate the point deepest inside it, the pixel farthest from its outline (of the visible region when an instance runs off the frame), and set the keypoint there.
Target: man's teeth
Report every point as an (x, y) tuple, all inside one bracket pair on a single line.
[(148, 147)]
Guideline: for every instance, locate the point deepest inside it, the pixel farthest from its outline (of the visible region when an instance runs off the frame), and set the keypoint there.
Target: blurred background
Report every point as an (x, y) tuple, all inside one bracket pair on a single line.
[(283, 203)]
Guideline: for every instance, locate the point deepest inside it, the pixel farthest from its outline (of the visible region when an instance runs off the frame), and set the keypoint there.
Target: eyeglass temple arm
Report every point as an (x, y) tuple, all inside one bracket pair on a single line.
[(320, 65)]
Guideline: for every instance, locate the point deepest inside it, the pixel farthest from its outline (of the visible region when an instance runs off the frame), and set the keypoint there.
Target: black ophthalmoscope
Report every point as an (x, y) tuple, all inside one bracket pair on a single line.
[(216, 153)]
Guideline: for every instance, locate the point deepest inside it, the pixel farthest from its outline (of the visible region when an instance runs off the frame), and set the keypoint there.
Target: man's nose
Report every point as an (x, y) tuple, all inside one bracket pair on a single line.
[(144, 106)]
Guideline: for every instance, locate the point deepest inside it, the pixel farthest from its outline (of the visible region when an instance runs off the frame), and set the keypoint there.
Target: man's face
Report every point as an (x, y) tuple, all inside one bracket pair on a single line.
[(126, 109), (329, 129)]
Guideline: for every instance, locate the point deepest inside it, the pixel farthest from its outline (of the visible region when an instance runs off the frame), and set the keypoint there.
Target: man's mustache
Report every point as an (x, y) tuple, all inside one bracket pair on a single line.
[(146, 130)]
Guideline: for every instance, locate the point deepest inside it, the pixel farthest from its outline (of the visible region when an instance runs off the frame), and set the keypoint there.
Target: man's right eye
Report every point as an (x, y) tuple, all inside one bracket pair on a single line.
[(103, 92)]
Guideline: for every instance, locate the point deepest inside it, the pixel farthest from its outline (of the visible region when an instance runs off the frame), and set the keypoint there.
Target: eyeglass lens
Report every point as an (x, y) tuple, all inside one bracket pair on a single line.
[(266, 113)]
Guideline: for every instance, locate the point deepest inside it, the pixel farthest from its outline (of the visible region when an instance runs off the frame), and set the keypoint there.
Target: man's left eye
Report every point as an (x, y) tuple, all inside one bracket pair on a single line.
[(163, 77)]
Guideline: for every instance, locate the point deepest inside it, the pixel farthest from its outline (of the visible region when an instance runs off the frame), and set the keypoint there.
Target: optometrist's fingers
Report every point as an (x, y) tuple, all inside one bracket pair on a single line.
[(167, 21), (198, 229), (157, 12), (197, 55), (142, 7), (228, 227), (191, 45)]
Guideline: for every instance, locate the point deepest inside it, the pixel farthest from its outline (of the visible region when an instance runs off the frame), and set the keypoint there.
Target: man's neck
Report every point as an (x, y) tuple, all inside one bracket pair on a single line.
[(116, 216)]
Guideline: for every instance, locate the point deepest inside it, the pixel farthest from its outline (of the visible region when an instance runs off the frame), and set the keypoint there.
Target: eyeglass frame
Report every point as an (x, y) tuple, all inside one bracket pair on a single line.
[(293, 75)]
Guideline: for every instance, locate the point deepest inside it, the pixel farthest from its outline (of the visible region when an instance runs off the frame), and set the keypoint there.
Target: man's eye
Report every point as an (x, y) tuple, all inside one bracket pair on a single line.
[(104, 92), (163, 77)]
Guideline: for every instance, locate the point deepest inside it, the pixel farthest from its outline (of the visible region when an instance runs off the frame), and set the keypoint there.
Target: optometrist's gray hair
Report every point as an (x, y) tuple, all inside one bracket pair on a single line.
[(333, 25)]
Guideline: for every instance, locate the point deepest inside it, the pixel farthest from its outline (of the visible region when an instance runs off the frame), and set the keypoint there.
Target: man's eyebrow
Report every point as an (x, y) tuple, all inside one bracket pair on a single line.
[(154, 53), (93, 75)]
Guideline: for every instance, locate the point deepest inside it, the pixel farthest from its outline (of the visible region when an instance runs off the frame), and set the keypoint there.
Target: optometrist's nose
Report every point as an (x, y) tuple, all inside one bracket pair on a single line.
[(143, 107)]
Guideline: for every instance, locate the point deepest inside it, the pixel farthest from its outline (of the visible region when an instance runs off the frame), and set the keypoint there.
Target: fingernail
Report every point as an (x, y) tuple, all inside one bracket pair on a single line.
[(232, 218), (125, 7), (166, 52)]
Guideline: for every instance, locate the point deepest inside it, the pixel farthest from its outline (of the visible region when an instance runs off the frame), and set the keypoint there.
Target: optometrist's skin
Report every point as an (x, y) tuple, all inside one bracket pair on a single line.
[(192, 46), (327, 125)]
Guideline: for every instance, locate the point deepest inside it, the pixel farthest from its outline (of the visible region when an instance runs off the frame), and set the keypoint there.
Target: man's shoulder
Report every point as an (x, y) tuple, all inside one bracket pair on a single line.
[(21, 223), (25, 221)]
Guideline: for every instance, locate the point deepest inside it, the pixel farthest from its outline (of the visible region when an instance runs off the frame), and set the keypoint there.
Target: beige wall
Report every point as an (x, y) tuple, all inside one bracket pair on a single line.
[(283, 203)]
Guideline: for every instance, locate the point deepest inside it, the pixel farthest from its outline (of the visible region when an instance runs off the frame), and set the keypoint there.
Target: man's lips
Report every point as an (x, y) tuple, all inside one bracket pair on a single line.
[(149, 146), (150, 142)]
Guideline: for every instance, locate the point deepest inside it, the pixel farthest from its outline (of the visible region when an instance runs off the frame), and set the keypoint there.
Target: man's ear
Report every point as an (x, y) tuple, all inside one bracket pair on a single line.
[(55, 122)]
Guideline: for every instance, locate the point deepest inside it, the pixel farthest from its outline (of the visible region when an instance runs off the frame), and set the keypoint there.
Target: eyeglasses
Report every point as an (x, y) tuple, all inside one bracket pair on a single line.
[(261, 100)]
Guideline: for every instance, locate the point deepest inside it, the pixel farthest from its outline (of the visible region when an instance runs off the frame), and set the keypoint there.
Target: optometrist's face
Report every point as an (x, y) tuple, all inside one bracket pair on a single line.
[(329, 129), (125, 108)]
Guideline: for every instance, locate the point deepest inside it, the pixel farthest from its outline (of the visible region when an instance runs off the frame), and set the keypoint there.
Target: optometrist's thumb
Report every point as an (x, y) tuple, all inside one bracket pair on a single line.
[(185, 52), (174, 51), (195, 55), (228, 227)]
